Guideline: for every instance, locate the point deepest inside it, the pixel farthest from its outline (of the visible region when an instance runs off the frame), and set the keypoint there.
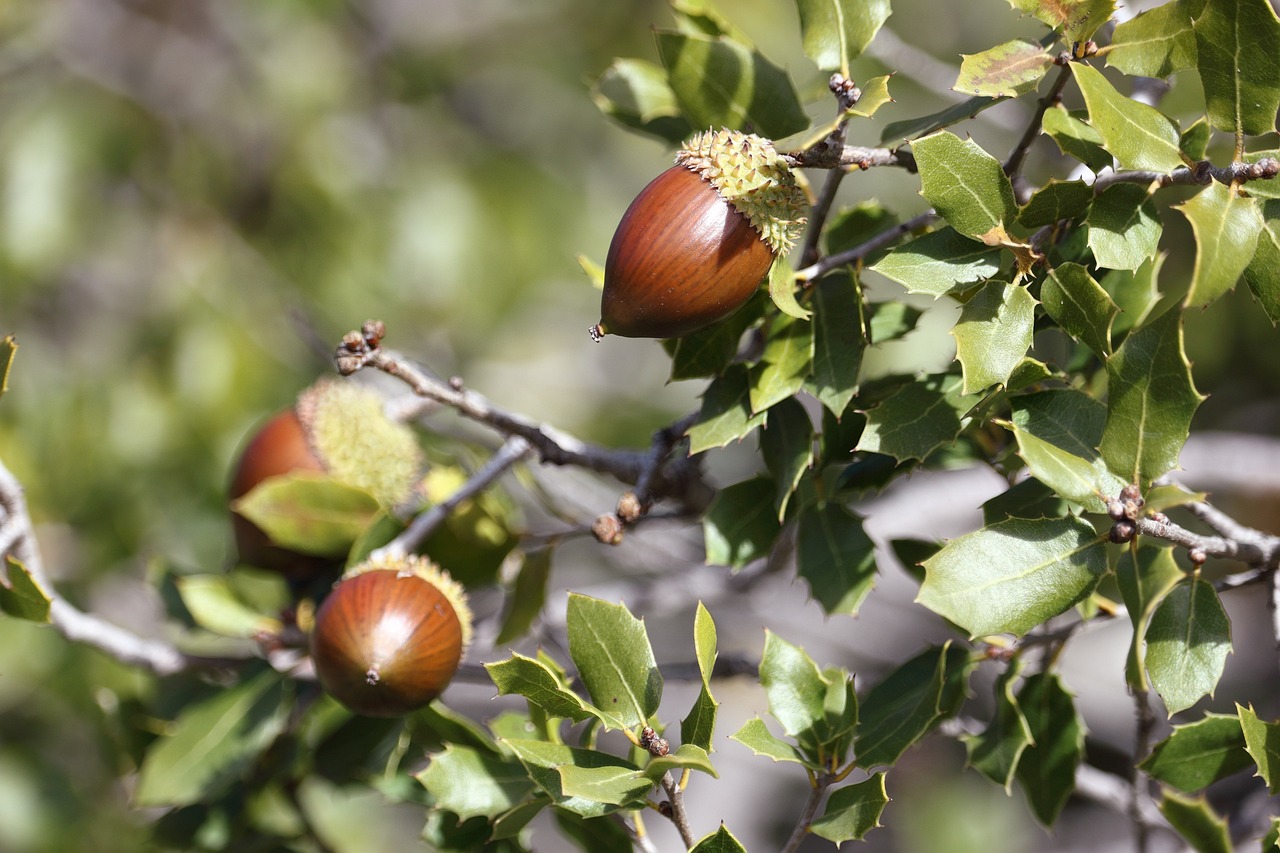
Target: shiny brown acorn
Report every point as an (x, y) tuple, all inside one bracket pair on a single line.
[(695, 243), (335, 428), (390, 635)]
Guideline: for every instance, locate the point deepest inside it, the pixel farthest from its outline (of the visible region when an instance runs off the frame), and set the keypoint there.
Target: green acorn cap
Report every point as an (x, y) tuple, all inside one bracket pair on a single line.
[(357, 443), (749, 174)]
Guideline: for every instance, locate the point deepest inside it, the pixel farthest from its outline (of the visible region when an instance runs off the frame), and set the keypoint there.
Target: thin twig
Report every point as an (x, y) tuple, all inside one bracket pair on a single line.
[(1143, 726), (1260, 550), (639, 840), (857, 253), (1013, 165), (816, 792), (678, 815), (424, 525), (1202, 174)]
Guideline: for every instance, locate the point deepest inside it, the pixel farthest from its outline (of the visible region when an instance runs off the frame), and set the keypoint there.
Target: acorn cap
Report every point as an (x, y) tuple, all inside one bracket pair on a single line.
[(414, 564), (357, 443), (747, 171)]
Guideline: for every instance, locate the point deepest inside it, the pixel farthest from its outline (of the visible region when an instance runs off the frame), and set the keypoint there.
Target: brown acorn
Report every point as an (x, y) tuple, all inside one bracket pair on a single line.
[(390, 635), (695, 243), (336, 428)]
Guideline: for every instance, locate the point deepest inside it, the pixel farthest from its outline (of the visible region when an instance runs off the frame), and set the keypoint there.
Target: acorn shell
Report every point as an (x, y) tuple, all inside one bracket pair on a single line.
[(682, 258), (387, 642)]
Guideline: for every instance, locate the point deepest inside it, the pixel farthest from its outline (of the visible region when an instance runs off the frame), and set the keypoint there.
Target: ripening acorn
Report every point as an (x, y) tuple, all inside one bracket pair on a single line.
[(337, 428), (695, 243), (390, 635)]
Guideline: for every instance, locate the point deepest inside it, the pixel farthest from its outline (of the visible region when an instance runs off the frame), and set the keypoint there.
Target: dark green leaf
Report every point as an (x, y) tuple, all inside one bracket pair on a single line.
[(526, 596), (836, 32), (615, 661), (541, 685), (835, 556), (917, 419), (726, 414), (687, 757), (996, 750), (1156, 43), (708, 352), (213, 742), (1080, 306), (966, 185), (1238, 55), (939, 263), (1263, 273), (1196, 822), (1226, 225), (1015, 574), (1195, 756), (1262, 740), (908, 129), (1075, 138), (1134, 292), (470, 783), (838, 340), (1029, 498), (740, 526), (993, 334), (852, 811), (785, 364), (1150, 401), (909, 702), (1145, 575), (635, 93), (1139, 136), (1124, 227), (720, 841), (1058, 432), (22, 597), (1054, 202), (1047, 769), (719, 82), (1187, 644), (590, 833), (786, 444), (1007, 70)]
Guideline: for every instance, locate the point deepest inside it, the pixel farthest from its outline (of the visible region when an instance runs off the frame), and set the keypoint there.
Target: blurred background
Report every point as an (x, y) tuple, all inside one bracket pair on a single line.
[(197, 199)]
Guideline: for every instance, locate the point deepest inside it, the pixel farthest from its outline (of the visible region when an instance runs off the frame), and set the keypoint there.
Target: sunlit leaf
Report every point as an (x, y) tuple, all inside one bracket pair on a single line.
[(214, 606), (22, 597), (1157, 42), (1010, 69), (1078, 19), (917, 419), (1058, 431), (1263, 273), (785, 364), (309, 512), (939, 263), (1238, 56), (726, 414), (1226, 225), (836, 32), (755, 736), (1054, 202), (1196, 755), (966, 185), (1139, 136), (993, 333), (720, 841), (470, 783), (635, 93), (615, 661), (533, 679), (1145, 576), (1075, 138), (1262, 740), (1188, 641), (1195, 820), (852, 811)]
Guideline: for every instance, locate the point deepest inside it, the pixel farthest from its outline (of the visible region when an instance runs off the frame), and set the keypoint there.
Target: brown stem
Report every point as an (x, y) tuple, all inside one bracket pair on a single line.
[(808, 813), (678, 816)]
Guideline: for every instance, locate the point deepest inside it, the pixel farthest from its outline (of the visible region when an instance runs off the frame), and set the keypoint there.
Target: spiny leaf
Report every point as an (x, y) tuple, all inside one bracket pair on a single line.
[(1139, 136), (1238, 55), (1010, 69), (1226, 225)]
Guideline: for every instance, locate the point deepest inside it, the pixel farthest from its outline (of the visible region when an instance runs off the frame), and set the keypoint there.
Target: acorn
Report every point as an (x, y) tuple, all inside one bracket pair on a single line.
[(695, 243), (337, 428), (390, 635)]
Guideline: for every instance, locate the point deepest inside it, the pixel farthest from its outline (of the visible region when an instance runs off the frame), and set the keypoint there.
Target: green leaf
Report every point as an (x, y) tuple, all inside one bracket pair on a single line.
[(966, 185), (708, 352), (782, 290), (1195, 137), (1075, 138), (720, 841), (996, 750), (838, 340), (1054, 202), (908, 129), (1226, 225), (1139, 136), (1195, 756), (214, 742), (1195, 821), (939, 263), (836, 557), (1135, 292), (1156, 43), (527, 596), (719, 82), (875, 94), (1080, 306), (22, 597), (1028, 498), (1150, 401), (1013, 575), (909, 702), (836, 32), (1047, 769), (1007, 70), (215, 607), (1187, 645), (704, 642), (612, 785), (1263, 273), (8, 352), (542, 686), (545, 762), (784, 365), (687, 757), (635, 93), (817, 708), (993, 334), (309, 512), (755, 736), (1262, 740), (698, 727), (1124, 227), (852, 811), (615, 661), (1078, 19), (741, 526), (471, 783), (786, 444), (891, 321), (726, 414), (917, 419), (1145, 576), (1238, 55)]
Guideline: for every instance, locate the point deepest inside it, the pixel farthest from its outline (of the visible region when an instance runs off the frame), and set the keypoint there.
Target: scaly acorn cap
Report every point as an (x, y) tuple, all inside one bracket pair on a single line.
[(357, 443), (749, 174), (414, 564)]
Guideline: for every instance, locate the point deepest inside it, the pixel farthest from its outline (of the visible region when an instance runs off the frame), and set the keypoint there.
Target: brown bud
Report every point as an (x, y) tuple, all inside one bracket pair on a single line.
[(1123, 531), (608, 529)]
